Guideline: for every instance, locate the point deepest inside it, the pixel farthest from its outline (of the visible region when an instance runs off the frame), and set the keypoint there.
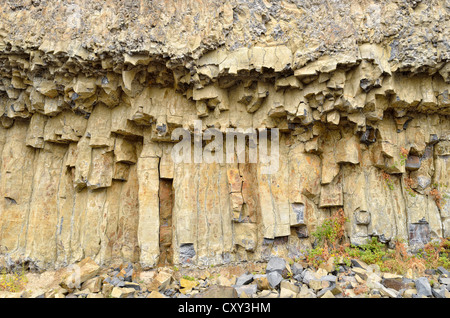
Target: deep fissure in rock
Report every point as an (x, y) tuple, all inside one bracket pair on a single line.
[(166, 200)]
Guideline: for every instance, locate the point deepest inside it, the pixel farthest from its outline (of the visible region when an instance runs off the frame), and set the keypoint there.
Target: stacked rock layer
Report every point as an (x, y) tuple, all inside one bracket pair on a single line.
[(91, 93)]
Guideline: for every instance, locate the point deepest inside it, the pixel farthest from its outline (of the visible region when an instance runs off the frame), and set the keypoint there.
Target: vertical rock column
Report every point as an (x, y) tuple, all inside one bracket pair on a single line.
[(441, 186), (148, 229), (16, 179)]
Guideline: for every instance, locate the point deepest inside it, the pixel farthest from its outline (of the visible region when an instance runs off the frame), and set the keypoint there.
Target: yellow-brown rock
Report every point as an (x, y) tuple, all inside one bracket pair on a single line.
[(90, 97)]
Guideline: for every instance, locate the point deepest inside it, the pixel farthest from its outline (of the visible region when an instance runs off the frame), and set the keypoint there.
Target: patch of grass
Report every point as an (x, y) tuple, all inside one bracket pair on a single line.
[(189, 277), (332, 229), (330, 236), (372, 252)]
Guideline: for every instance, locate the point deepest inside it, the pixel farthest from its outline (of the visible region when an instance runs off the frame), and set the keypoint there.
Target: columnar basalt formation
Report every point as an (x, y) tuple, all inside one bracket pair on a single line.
[(91, 92)]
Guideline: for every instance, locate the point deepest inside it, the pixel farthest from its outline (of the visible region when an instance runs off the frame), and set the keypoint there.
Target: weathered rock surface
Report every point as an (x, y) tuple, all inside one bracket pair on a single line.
[(167, 282), (90, 94)]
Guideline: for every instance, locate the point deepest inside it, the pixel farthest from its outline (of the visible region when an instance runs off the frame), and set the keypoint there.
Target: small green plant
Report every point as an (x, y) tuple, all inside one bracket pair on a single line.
[(315, 256), (436, 253), (403, 156), (188, 277), (438, 185), (329, 236), (332, 229), (388, 180), (408, 186), (373, 252)]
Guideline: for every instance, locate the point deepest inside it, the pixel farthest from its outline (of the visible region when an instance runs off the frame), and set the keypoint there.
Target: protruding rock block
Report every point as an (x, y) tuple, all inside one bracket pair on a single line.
[(148, 228), (215, 97), (101, 169), (246, 235)]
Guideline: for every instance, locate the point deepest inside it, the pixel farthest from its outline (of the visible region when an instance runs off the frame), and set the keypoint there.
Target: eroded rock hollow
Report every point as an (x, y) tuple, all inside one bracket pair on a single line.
[(91, 92)]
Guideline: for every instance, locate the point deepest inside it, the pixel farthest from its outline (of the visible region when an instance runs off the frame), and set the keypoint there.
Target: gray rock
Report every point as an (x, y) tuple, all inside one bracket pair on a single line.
[(438, 293), (443, 271), (322, 292), (256, 276), (129, 273), (169, 292), (343, 269), (348, 279), (128, 279), (329, 278), (444, 280), (117, 282), (406, 281), (307, 277), (297, 269), (187, 252), (391, 293), (249, 290), (129, 267), (135, 286), (244, 279), (423, 287), (274, 279), (276, 264)]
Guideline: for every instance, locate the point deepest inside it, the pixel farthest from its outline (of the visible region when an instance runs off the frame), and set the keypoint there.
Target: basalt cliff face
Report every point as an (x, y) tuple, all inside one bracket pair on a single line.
[(90, 93)]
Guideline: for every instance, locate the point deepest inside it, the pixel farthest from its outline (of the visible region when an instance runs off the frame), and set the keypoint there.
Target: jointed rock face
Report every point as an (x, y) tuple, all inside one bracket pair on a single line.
[(91, 93)]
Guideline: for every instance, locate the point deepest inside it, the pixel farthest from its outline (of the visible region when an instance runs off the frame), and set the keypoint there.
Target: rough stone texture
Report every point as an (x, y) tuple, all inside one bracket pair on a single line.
[(219, 292), (80, 273), (221, 281), (276, 264), (423, 287), (274, 279), (91, 92)]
